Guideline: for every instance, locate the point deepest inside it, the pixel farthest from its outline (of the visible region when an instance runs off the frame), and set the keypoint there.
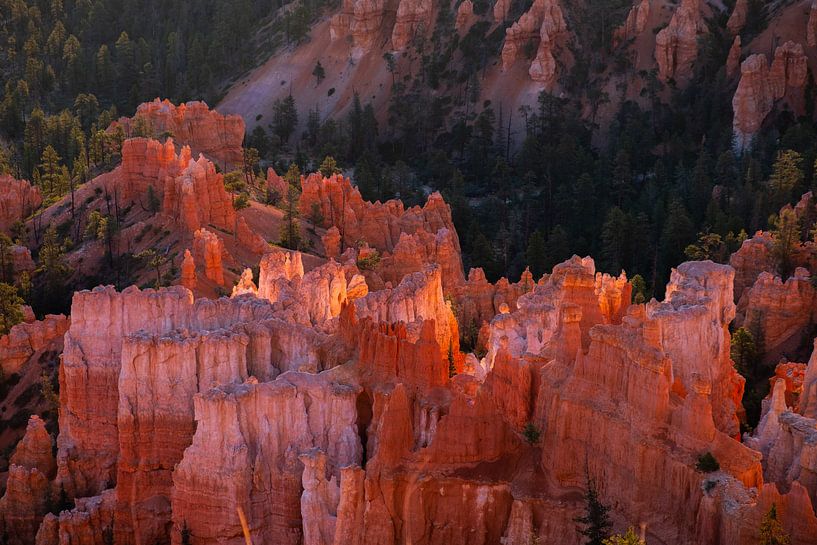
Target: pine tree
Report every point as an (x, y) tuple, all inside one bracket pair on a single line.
[(595, 523), (771, 531), (6, 264), (11, 308), (743, 351), (290, 230), (536, 253), (614, 240), (786, 176), (319, 73), (284, 118), (329, 167), (786, 236)]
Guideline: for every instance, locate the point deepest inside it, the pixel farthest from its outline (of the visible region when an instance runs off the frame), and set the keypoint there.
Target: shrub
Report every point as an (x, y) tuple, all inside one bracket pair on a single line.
[(531, 433), (707, 463), (369, 262)]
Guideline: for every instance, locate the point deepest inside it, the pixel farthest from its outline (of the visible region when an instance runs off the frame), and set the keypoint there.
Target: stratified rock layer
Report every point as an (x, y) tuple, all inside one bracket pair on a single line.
[(219, 137)]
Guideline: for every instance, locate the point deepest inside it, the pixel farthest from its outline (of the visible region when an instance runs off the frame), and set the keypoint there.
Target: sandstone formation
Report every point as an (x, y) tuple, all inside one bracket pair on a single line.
[(761, 87), (782, 312), (501, 9), (465, 16), (361, 21), (250, 239), (543, 22), (415, 236), (219, 137), (18, 200), (191, 191), (634, 25), (328, 409), (276, 184), (752, 258), (29, 338), (331, 243), (737, 19), (208, 250), (413, 16), (733, 60), (27, 488), (676, 46), (811, 26), (188, 277), (245, 285)]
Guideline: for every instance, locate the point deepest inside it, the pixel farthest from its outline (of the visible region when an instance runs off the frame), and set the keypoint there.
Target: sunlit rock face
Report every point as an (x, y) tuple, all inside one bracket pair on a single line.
[(332, 402), (194, 124)]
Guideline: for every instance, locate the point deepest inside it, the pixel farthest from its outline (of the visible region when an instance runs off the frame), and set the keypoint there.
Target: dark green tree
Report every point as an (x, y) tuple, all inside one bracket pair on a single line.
[(11, 308), (595, 524)]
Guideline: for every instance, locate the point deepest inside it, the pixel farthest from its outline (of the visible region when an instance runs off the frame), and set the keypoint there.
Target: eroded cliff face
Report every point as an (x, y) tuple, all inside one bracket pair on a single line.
[(219, 137), (28, 493), (545, 22), (676, 46), (332, 403), (407, 239), (18, 199), (761, 87)]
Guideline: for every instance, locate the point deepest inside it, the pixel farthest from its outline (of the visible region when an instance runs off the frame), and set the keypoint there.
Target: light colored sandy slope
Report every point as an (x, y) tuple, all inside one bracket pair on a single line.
[(290, 70)]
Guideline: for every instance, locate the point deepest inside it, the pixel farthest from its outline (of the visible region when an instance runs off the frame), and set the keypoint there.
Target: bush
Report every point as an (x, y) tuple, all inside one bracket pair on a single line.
[(369, 263), (707, 463), (531, 433)]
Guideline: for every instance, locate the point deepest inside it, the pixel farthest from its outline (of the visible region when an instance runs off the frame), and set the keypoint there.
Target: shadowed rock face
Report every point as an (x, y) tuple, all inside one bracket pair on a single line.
[(761, 87), (676, 46), (18, 199), (330, 409)]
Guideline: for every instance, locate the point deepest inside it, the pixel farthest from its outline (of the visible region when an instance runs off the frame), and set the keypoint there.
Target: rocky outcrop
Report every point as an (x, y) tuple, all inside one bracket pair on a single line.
[(737, 19), (28, 493), (733, 60), (18, 200), (194, 124), (188, 276), (501, 9), (787, 76), (331, 243), (250, 239), (245, 285), (780, 312), (417, 299), (384, 226), (676, 46), (191, 191), (25, 340), (811, 26), (634, 25), (257, 467), (752, 258), (208, 250), (761, 87), (276, 184), (413, 16), (543, 22), (362, 20), (753, 99), (465, 16)]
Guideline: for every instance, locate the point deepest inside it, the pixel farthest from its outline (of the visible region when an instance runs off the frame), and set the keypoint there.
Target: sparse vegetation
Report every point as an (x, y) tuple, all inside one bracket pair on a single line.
[(707, 463)]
